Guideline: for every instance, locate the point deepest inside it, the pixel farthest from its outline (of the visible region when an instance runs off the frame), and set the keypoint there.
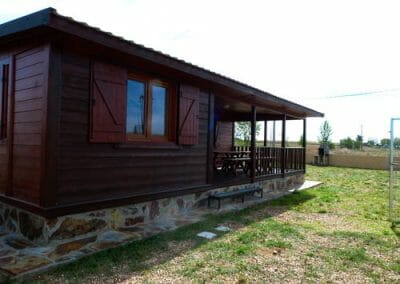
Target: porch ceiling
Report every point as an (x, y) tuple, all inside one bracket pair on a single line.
[(236, 110)]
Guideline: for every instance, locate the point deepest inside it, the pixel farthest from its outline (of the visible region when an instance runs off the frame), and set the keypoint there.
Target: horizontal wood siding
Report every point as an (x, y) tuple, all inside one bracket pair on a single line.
[(4, 157), (29, 119), (3, 167), (223, 136), (96, 172)]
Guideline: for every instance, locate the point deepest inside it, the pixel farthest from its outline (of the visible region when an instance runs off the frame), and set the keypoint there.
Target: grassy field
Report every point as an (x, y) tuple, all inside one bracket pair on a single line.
[(336, 233)]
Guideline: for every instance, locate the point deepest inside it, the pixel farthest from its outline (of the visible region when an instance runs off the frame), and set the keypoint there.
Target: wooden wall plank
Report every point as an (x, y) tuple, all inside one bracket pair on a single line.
[(96, 172), (29, 94), (29, 82), (30, 105), (49, 183), (28, 116), (28, 128), (28, 124), (33, 70), (27, 139), (223, 137), (27, 151), (3, 168), (28, 60)]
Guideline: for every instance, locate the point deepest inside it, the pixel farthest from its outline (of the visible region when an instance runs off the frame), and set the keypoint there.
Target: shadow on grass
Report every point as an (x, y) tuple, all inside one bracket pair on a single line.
[(396, 229), (158, 249)]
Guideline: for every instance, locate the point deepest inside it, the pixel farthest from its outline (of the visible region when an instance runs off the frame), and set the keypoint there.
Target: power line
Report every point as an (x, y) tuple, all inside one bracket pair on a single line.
[(367, 93), (394, 90)]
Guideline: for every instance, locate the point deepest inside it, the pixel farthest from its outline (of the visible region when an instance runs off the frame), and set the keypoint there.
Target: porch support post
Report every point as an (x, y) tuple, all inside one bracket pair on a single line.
[(283, 146), (273, 133), (265, 133), (253, 142), (304, 143), (233, 135), (210, 139)]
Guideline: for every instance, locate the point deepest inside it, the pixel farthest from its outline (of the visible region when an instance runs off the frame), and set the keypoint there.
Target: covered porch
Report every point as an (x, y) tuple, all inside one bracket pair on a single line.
[(266, 155)]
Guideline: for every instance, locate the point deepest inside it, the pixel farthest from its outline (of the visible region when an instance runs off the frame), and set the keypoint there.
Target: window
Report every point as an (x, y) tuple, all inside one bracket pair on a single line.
[(135, 109), (4, 72), (159, 110), (147, 115)]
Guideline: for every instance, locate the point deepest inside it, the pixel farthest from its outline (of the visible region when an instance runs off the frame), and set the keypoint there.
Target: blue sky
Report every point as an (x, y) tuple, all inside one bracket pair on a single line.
[(312, 52)]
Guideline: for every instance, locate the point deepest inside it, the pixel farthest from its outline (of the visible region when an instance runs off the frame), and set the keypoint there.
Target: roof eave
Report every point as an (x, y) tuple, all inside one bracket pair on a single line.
[(67, 25), (28, 22)]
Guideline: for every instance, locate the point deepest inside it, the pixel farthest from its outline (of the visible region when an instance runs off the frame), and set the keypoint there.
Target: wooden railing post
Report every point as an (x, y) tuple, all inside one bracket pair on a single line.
[(265, 133), (283, 146), (253, 142), (304, 143), (233, 135), (210, 139)]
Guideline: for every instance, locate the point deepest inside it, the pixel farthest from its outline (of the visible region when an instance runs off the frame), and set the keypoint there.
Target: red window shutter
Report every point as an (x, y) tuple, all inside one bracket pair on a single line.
[(188, 115), (108, 103)]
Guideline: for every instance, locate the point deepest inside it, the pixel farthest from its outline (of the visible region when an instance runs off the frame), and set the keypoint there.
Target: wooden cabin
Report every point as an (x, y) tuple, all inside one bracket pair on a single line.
[(90, 120)]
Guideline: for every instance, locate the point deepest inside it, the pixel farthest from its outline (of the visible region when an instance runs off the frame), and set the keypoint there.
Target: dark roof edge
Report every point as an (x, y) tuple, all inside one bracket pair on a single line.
[(37, 19), (44, 18)]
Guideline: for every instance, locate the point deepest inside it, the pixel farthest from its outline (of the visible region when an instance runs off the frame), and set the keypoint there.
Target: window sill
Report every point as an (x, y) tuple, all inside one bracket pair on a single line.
[(148, 145)]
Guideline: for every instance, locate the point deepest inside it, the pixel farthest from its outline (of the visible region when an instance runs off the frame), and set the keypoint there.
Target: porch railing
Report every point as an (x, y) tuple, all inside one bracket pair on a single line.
[(269, 159)]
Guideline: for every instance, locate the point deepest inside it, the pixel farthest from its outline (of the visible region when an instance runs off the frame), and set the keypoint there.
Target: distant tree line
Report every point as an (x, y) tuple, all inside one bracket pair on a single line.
[(352, 144), (358, 143), (385, 142)]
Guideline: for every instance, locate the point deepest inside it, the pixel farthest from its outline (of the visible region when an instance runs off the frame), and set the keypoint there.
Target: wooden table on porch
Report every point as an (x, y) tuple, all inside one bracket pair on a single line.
[(232, 160)]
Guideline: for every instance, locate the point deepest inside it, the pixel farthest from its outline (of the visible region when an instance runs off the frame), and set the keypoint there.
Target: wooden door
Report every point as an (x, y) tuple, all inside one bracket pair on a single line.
[(5, 125)]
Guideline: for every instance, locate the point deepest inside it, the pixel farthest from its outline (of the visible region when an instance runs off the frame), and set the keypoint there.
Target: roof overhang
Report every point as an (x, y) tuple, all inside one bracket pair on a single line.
[(49, 21)]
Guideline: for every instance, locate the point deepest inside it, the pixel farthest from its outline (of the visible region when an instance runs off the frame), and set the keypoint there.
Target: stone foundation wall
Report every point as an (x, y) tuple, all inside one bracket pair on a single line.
[(130, 220)]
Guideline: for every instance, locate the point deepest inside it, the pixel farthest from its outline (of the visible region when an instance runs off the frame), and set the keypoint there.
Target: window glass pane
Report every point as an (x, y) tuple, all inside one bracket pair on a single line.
[(158, 111), (135, 107)]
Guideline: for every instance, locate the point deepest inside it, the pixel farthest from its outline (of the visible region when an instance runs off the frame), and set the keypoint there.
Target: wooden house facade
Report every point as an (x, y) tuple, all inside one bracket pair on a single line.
[(90, 120)]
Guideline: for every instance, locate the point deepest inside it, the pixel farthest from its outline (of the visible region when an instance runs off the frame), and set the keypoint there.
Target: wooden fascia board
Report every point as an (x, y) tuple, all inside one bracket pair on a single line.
[(28, 22), (240, 116)]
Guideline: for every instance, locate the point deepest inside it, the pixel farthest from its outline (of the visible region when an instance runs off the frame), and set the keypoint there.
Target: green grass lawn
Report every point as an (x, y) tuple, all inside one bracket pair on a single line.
[(335, 233)]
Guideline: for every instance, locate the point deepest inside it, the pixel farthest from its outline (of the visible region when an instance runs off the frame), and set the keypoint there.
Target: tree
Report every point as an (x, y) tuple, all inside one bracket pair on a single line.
[(371, 142), (243, 131), (396, 143), (358, 142), (347, 143), (385, 142), (325, 134), (300, 142)]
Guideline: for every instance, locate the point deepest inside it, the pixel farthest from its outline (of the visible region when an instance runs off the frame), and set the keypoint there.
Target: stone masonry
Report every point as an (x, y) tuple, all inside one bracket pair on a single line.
[(29, 242)]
